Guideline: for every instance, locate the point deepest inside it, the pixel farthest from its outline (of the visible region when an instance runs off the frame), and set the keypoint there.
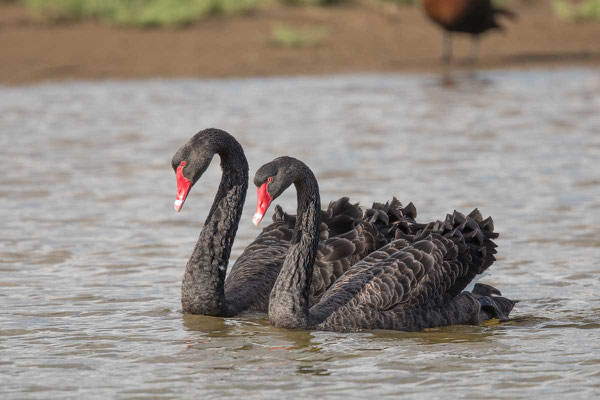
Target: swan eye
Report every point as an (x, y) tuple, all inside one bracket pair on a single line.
[(270, 179), (183, 163)]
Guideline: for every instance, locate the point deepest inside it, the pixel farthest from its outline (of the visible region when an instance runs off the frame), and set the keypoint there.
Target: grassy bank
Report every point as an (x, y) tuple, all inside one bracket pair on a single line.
[(154, 13), (138, 12), (585, 10)]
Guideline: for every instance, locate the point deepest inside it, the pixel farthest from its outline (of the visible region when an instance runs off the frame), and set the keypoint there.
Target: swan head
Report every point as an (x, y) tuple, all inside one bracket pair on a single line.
[(193, 159), (271, 180)]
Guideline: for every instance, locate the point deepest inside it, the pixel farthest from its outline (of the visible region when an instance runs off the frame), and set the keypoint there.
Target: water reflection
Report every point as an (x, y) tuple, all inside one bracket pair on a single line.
[(454, 334), (212, 326), (313, 371), (294, 340)]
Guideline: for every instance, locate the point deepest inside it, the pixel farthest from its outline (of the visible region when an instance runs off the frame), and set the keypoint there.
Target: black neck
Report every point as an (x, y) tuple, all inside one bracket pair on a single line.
[(288, 304), (202, 291)]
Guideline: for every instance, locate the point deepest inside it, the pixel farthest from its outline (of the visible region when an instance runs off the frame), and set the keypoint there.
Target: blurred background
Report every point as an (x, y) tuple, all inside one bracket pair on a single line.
[(66, 39), (96, 97)]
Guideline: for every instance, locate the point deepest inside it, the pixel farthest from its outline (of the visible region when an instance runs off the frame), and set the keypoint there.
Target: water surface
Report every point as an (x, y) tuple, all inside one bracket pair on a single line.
[(92, 252)]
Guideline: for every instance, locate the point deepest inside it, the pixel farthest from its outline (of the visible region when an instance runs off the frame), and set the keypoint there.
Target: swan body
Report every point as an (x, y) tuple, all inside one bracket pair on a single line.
[(414, 282)]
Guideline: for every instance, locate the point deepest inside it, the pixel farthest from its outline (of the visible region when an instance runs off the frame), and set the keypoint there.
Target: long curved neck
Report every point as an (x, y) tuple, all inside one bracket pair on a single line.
[(202, 290), (288, 304)]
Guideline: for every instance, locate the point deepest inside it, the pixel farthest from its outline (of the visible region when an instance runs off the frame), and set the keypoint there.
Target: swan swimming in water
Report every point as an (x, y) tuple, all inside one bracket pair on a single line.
[(414, 282)]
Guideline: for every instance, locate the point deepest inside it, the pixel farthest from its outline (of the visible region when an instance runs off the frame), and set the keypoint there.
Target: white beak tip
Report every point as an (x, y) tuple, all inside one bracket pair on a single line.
[(257, 218), (178, 204)]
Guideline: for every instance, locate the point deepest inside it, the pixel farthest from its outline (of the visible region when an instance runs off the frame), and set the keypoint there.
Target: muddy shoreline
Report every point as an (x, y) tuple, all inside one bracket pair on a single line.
[(360, 38)]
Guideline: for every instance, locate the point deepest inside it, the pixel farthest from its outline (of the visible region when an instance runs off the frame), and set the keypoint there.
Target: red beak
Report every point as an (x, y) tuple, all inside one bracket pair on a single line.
[(263, 202), (183, 188)]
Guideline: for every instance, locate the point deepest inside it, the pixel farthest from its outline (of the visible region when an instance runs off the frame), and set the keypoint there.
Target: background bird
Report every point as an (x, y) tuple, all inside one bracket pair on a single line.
[(466, 16)]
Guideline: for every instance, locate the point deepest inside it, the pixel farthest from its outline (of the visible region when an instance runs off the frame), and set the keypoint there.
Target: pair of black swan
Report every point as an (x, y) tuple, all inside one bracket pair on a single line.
[(464, 16), (330, 270), (345, 235)]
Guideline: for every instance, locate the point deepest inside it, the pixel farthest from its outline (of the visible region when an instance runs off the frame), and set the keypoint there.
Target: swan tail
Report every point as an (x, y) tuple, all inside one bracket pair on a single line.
[(474, 237), (493, 305)]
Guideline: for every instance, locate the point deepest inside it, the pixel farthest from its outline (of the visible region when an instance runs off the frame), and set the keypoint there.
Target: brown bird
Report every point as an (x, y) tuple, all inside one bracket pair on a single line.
[(465, 16)]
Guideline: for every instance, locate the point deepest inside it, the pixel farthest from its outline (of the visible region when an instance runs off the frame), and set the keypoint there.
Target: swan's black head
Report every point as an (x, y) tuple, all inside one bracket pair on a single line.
[(272, 179), (194, 157)]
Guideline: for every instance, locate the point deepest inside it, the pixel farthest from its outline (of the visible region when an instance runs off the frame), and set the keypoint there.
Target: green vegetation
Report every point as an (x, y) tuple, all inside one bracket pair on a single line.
[(587, 10), (404, 2), (149, 13), (312, 2), (139, 12), (297, 37)]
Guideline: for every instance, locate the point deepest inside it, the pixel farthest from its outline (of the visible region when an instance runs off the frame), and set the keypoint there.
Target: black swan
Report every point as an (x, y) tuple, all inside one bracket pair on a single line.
[(414, 282), (465, 16), (247, 287)]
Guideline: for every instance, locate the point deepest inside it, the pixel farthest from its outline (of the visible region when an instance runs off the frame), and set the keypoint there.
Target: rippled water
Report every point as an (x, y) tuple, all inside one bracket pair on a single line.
[(92, 252)]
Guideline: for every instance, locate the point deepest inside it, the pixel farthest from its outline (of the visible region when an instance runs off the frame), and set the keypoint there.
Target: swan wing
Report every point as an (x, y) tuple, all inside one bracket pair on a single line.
[(335, 256), (414, 272)]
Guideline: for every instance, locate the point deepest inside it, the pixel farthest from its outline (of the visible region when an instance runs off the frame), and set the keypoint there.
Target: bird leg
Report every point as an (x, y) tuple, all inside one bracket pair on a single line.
[(447, 54), (474, 49)]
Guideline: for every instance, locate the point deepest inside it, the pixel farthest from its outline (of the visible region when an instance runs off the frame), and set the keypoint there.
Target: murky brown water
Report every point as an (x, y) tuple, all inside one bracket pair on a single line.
[(92, 252)]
